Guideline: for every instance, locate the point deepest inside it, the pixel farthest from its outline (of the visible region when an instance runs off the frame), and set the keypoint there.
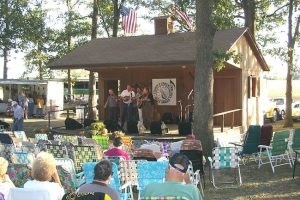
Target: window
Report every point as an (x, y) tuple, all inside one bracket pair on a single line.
[(253, 86)]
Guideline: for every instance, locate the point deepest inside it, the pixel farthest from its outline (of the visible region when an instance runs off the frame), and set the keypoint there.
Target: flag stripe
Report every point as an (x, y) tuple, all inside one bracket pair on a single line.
[(184, 17), (129, 20)]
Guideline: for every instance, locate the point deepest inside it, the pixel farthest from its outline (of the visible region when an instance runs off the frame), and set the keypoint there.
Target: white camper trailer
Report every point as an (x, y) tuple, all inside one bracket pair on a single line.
[(52, 93)]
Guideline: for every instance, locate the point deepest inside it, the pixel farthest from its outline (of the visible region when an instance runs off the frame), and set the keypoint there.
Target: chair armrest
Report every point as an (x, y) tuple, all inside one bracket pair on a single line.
[(236, 144), (197, 176), (126, 185), (264, 147), (209, 159)]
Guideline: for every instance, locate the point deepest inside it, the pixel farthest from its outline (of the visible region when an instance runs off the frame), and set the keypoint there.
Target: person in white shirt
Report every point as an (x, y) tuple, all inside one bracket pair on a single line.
[(127, 96), (5, 182), (43, 172)]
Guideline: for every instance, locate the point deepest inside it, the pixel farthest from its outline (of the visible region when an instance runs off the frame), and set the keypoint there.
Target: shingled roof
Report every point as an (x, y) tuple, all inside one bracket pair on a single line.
[(177, 48)]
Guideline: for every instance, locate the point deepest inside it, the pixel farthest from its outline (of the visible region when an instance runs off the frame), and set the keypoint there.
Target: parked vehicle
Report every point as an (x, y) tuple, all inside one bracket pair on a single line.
[(296, 111), (280, 105), (271, 112)]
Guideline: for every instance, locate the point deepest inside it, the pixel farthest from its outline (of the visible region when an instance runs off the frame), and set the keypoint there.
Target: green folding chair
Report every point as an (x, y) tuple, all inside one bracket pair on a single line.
[(277, 152), (251, 141), (295, 147), (101, 140)]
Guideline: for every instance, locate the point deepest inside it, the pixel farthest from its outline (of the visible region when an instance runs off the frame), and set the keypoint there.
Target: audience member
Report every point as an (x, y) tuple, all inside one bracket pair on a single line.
[(116, 150), (18, 117), (103, 173), (176, 177), (5, 182), (43, 172), (156, 151), (190, 143)]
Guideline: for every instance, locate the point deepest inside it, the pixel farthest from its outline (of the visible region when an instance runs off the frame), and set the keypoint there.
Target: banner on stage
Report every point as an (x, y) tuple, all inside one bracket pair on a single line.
[(164, 91)]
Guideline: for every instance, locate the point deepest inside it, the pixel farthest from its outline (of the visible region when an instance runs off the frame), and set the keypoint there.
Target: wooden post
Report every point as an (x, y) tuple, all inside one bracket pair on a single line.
[(232, 122), (101, 96), (49, 120), (222, 127)]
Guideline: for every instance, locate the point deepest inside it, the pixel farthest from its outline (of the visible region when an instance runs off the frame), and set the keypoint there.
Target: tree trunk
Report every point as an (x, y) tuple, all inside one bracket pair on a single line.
[(40, 70), (203, 101), (250, 17), (92, 81), (5, 60), (5, 40), (117, 10), (290, 63)]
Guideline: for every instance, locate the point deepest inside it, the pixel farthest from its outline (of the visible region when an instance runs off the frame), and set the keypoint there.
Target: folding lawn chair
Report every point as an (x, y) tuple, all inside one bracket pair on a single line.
[(278, 151), (225, 158), (251, 142)]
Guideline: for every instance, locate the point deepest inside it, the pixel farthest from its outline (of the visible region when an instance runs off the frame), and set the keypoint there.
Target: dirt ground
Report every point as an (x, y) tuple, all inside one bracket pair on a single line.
[(260, 184)]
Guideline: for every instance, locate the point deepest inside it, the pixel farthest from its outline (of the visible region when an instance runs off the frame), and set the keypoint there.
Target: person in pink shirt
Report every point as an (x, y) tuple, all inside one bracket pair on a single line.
[(116, 150)]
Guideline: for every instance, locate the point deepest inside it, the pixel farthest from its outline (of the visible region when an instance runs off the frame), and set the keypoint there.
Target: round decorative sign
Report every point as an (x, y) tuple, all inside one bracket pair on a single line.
[(163, 92)]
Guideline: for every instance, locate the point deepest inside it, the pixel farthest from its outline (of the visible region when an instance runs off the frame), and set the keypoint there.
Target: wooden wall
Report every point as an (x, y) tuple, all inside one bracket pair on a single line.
[(227, 91)]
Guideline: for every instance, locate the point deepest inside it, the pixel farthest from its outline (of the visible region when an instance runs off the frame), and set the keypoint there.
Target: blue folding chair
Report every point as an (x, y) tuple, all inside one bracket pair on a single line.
[(150, 172), (125, 190)]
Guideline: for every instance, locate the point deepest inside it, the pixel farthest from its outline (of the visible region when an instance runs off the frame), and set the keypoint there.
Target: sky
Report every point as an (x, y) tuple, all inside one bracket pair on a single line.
[(16, 65)]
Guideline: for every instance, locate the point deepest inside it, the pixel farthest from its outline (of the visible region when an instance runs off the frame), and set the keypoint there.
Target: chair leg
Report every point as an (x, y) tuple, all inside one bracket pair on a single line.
[(289, 159), (259, 159), (240, 177), (202, 191), (295, 163), (271, 163), (203, 177)]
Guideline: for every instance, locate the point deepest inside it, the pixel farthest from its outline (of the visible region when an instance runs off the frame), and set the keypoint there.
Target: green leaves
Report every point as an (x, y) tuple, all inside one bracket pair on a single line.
[(220, 57)]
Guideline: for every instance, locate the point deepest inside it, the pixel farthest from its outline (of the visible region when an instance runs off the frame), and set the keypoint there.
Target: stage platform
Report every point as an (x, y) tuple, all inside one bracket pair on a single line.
[(172, 135), (223, 138)]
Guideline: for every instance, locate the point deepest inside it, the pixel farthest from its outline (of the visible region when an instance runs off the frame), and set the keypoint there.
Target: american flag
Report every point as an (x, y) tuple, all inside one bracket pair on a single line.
[(183, 17), (129, 19)]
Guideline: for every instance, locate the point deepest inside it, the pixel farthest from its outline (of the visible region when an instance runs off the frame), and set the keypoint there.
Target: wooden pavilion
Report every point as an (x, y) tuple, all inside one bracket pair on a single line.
[(141, 59)]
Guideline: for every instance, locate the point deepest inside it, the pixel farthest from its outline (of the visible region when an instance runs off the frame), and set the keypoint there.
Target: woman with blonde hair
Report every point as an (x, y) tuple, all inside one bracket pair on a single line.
[(5, 182), (45, 176)]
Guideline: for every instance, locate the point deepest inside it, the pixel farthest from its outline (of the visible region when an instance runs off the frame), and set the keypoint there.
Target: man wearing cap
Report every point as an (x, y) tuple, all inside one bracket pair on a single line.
[(18, 116), (176, 179)]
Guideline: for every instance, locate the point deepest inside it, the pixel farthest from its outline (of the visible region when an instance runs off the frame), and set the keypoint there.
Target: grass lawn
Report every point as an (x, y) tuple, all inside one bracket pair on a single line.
[(260, 184)]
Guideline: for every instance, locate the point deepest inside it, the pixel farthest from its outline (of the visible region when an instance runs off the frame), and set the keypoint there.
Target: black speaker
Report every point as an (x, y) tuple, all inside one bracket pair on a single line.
[(72, 124), (167, 118), (112, 125), (5, 124), (184, 128), (155, 128), (88, 122), (132, 127)]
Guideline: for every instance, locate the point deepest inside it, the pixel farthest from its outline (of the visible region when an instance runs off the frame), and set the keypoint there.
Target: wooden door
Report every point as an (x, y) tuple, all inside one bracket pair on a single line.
[(224, 99)]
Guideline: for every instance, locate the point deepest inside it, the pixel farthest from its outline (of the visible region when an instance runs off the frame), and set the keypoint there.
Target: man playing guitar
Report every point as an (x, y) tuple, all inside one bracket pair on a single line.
[(127, 97)]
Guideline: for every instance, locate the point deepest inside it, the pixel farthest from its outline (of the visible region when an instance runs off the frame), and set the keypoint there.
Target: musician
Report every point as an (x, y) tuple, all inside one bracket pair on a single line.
[(138, 95), (147, 107), (134, 108), (111, 104), (127, 97)]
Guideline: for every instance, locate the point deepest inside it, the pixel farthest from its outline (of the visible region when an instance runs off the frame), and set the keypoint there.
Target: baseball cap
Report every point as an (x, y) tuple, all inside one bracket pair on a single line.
[(180, 162), (13, 103)]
